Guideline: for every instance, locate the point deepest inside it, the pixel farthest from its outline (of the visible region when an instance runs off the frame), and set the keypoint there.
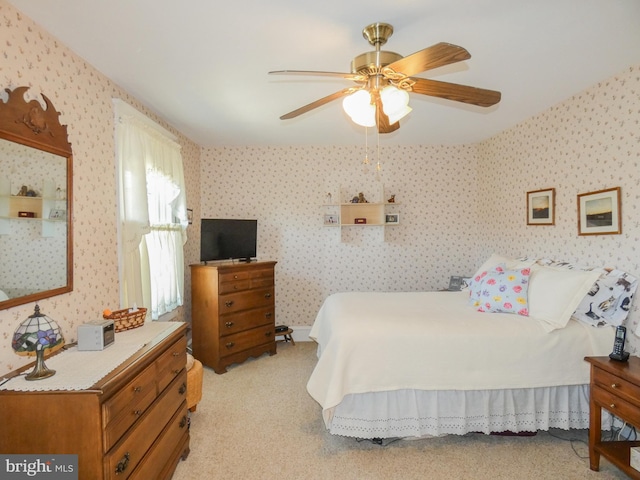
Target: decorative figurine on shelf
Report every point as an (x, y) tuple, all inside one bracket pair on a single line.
[(23, 191), (32, 193), (354, 199), (361, 198), (329, 198), (392, 199)]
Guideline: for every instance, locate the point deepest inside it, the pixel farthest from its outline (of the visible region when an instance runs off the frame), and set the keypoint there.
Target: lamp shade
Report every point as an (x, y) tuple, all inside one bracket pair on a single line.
[(395, 103), (35, 335), (359, 107)]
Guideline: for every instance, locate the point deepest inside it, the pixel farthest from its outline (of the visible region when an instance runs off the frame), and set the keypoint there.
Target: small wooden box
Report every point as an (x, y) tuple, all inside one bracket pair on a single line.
[(360, 221)]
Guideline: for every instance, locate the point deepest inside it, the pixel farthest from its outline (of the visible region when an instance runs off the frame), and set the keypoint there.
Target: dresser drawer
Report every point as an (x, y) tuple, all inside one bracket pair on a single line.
[(226, 277), (249, 338), (617, 386), (262, 278), (126, 406), (154, 462), (122, 460), (235, 302), (238, 322), (616, 405), (171, 363), (237, 286)]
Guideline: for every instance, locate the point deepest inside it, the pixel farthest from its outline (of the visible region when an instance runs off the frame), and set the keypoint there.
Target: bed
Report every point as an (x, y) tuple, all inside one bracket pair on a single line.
[(415, 364)]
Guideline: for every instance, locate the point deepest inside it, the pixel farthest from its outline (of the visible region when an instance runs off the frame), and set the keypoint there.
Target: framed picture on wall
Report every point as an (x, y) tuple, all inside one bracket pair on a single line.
[(333, 220), (541, 207), (392, 218), (599, 212)]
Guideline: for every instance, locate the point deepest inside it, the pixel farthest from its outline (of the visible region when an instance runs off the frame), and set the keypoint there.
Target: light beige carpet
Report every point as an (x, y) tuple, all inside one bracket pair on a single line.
[(257, 421)]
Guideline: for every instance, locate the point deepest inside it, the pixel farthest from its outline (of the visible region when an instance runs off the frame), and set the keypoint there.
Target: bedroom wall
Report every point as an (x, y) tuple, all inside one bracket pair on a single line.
[(31, 57), (459, 204), (589, 142), (284, 188)]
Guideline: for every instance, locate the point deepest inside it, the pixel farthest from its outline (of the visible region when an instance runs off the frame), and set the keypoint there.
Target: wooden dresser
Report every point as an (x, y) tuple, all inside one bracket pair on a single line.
[(131, 424), (615, 386), (233, 312)]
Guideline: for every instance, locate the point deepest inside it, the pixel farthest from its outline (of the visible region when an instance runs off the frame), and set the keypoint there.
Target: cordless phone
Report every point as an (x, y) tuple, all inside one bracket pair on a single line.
[(618, 345)]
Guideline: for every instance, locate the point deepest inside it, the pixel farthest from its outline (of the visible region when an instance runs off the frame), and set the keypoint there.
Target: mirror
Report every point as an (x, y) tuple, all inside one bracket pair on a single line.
[(35, 201)]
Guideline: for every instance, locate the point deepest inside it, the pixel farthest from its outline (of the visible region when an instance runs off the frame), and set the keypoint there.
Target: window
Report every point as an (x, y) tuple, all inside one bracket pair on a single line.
[(152, 213)]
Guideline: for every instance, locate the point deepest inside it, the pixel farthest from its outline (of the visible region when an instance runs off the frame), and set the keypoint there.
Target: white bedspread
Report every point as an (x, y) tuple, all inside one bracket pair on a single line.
[(372, 342)]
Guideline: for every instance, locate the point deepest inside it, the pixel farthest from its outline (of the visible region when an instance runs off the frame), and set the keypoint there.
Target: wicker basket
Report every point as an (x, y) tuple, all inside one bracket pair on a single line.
[(126, 320)]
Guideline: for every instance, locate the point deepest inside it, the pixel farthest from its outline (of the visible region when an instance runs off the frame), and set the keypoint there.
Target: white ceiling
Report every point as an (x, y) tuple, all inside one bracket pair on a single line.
[(202, 64)]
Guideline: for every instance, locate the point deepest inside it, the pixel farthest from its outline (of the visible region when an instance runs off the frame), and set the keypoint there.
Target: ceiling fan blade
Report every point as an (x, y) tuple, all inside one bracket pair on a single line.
[(456, 92), (349, 76), (317, 103), (383, 120), (435, 56)]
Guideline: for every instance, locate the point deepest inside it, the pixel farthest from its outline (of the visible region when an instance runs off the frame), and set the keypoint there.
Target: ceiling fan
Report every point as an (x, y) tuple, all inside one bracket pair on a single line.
[(383, 80)]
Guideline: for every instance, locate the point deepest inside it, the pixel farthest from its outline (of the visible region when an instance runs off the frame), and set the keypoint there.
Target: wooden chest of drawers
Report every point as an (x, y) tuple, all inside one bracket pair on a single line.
[(233, 312), (132, 424), (615, 386)]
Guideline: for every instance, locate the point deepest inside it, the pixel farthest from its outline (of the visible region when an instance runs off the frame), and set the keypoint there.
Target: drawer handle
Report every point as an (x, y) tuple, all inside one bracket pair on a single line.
[(228, 303), (182, 389), (614, 385), (183, 421), (612, 406), (267, 295), (137, 413), (230, 345), (137, 389), (228, 324), (175, 354), (175, 372), (122, 464), (268, 314), (235, 277), (268, 334)]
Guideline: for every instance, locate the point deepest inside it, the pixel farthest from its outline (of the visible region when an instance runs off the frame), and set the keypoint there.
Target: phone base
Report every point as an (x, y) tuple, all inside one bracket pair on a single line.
[(620, 358)]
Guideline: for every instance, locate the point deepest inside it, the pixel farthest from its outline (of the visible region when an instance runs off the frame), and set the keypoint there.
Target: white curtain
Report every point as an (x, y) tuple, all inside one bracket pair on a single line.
[(152, 213)]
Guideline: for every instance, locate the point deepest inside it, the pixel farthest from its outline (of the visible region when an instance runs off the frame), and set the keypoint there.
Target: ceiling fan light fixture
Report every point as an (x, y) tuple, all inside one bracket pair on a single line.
[(360, 109), (395, 103)]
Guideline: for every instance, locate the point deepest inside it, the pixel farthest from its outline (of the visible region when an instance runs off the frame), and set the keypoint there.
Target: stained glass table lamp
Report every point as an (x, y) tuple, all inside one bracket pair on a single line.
[(35, 335)]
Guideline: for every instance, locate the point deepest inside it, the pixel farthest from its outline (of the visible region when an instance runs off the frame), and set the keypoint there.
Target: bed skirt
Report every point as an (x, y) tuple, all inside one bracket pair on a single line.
[(421, 413)]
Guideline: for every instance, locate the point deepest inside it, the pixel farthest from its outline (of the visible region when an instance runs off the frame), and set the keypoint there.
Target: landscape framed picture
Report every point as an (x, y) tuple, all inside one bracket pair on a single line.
[(541, 207), (599, 212)]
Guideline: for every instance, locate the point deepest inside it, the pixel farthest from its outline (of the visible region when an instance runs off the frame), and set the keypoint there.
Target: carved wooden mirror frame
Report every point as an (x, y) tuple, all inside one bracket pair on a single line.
[(29, 124)]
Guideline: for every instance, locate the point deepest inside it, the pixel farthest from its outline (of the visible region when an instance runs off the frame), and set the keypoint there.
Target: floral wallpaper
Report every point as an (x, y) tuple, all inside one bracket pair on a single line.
[(456, 204), (588, 143), (29, 56)]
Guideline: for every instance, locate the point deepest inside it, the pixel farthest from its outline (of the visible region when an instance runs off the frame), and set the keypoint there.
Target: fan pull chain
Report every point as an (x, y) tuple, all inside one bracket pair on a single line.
[(366, 162), (378, 166)]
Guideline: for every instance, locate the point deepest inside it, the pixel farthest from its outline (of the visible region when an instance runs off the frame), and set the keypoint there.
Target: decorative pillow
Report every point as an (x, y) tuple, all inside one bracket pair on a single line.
[(496, 259), (475, 284), (608, 300), (503, 291), (554, 293)]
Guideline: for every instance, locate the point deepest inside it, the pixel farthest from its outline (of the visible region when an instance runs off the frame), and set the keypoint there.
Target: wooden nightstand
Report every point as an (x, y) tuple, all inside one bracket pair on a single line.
[(615, 386)]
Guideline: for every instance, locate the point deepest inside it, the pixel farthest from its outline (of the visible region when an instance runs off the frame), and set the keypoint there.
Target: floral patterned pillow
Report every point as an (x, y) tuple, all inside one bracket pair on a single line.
[(475, 285), (503, 291)]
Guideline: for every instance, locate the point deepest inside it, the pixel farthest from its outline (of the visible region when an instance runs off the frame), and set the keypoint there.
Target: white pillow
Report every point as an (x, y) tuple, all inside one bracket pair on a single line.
[(555, 293)]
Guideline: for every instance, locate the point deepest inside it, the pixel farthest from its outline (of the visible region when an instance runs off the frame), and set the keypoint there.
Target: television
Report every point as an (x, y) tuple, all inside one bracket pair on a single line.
[(228, 239)]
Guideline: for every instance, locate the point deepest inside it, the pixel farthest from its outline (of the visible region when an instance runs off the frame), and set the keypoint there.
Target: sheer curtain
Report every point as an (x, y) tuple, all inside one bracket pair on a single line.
[(152, 213)]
